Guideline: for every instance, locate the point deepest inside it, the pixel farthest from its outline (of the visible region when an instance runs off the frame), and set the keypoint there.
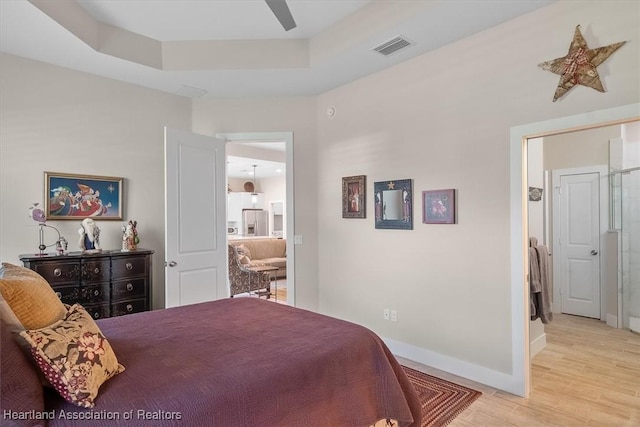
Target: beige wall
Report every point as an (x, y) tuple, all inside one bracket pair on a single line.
[(55, 119), (443, 120), (577, 149)]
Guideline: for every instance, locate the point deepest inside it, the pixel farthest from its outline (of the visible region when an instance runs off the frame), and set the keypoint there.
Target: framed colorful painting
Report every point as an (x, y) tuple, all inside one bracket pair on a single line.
[(354, 196), (439, 206), (72, 196)]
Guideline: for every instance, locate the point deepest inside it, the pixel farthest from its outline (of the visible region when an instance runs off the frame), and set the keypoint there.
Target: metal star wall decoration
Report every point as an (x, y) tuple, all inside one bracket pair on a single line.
[(579, 66)]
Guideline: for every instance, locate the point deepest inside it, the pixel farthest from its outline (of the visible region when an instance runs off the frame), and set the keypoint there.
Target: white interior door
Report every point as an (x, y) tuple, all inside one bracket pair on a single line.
[(579, 221), (195, 218)]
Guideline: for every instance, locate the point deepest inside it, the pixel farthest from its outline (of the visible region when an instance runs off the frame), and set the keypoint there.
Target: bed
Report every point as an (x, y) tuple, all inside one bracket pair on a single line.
[(241, 362)]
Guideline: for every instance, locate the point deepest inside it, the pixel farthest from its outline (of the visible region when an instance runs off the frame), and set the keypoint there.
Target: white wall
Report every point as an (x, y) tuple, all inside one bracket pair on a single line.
[(55, 119), (631, 146), (275, 190), (443, 120)]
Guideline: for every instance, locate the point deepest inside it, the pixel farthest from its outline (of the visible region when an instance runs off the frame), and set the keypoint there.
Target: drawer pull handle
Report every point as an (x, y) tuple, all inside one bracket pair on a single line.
[(96, 315), (129, 308), (96, 270), (59, 295), (96, 292), (57, 272), (129, 287), (129, 266)]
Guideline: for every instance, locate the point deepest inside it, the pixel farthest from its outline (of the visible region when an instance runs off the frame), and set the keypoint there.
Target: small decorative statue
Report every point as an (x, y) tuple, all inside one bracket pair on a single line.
[(89, 236), (130, 238), (61, 246)]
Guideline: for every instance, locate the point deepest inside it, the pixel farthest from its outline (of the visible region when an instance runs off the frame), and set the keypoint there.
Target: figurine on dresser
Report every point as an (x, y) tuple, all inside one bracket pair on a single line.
[(130, 238), (61, 246), (89, 236)]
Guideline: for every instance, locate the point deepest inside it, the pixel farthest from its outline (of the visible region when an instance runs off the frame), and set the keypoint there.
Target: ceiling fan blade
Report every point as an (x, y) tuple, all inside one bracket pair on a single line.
[(282, 12)]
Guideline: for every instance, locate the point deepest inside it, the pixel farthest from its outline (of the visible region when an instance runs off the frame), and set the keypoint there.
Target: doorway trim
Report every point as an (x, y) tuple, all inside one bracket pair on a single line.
[(521, 366), (603, 172), (287, 137)]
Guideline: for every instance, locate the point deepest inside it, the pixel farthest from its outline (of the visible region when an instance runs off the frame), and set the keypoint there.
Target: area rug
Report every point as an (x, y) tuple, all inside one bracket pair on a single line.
[(441, 400)]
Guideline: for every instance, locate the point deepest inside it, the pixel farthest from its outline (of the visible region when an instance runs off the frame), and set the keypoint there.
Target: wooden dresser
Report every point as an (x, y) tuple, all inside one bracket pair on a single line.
[(107, 284)]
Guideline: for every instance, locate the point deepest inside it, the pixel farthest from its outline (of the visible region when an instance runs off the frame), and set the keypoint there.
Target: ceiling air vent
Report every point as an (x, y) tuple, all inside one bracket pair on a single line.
[(190, 92), (392, 46)]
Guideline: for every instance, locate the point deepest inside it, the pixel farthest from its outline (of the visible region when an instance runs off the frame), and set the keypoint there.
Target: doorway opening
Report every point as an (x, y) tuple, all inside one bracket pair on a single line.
[(521, 372), (266, 151)]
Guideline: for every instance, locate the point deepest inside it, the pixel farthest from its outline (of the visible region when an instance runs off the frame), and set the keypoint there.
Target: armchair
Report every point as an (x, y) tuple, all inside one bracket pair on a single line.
[(242, 279)]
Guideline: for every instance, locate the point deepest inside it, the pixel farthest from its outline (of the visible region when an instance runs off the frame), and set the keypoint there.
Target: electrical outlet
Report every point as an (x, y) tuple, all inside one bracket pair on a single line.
[(394, 316), (385, 314)]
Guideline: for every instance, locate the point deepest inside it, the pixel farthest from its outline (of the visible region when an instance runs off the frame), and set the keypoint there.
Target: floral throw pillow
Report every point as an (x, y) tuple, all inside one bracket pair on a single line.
[(74, 356)]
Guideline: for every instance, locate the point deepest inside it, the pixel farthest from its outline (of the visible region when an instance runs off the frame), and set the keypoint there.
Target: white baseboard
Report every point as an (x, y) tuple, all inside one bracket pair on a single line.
[(634, 323), (612, 320), (537, 345), (480, 374)]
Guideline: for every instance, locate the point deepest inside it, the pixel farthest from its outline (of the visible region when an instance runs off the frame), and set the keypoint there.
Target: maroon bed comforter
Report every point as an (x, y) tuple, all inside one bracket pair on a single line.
[(245, 362)]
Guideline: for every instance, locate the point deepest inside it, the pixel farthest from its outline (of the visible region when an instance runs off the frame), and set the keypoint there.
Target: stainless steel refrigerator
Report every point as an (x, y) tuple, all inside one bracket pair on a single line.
[(255, 222)]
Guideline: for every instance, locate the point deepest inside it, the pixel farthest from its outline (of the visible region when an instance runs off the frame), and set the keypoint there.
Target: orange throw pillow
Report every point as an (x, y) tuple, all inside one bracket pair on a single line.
[(29, 296)]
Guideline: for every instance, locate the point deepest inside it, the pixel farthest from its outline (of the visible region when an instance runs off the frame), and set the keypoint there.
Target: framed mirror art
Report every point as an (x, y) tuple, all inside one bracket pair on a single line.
[(393, 204)]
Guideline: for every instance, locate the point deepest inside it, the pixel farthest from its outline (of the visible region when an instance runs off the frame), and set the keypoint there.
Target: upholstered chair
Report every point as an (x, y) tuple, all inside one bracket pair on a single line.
[(242, 279)]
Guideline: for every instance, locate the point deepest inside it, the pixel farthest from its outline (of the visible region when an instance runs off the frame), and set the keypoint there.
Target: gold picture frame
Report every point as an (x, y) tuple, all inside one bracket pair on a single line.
[(75, 196), (354, 196)]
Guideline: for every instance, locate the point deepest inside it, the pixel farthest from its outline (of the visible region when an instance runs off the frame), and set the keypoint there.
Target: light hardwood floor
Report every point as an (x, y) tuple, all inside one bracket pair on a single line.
[(587, 375), (281, 291)]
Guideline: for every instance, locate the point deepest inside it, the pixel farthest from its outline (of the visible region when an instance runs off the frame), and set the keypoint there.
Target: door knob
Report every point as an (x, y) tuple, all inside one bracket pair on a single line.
[(594, 252), (172, 264)]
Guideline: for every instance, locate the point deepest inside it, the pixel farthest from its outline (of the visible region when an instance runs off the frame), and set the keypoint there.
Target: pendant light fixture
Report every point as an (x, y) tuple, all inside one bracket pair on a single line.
[(254, 195)]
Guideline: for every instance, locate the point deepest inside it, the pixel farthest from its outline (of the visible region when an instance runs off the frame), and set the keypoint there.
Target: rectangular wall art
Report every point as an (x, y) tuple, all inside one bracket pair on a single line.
[(439, 207), (71, 196), (393, 204), (354, 196)]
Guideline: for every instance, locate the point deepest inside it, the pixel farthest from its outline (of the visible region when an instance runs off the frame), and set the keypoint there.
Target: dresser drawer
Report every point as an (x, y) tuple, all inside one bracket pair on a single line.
[(128, 307), (67, 294), (98, 311), (58, 272), (97, 293), (129, 289), (129, 266), (96, 271)]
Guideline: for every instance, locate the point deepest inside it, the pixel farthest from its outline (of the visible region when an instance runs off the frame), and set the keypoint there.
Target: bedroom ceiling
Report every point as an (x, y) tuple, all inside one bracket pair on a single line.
[(233, 49)]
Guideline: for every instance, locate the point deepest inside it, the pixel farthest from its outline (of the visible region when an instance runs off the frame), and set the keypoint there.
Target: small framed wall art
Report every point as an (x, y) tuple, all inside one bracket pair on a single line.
[(354, 198), (535, 194), (72, 196), (394, 204), (439, 206)]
